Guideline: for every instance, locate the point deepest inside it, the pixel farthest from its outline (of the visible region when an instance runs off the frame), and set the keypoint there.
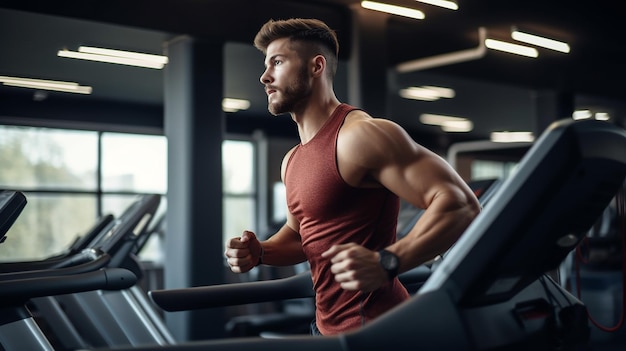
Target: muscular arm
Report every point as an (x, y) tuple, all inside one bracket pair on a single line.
[(282, 249), (285, 247), (375, 152)]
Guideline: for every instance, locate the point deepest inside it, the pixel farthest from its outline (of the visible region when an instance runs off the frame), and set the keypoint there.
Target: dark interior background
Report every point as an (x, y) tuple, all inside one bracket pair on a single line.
[(497, 92)]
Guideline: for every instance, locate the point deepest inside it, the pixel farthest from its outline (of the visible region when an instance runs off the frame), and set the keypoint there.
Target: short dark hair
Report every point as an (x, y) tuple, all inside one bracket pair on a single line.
[(301, 30)]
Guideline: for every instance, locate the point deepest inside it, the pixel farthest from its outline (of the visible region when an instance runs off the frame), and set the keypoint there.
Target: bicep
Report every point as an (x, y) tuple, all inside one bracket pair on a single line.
[(419, 176)]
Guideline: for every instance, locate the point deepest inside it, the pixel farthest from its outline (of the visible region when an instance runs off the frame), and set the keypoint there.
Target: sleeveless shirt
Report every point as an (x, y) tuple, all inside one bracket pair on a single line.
[(330, 211)]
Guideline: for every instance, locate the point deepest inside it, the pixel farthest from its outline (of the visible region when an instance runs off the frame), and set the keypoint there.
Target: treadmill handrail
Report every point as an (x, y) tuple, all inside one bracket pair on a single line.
[(63, 259), (9, 267), (293, 287), (297, 286), (16, 292), (90, 266)]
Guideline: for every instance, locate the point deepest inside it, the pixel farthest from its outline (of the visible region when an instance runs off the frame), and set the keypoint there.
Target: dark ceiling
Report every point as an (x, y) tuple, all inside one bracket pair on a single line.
[(31, 32)]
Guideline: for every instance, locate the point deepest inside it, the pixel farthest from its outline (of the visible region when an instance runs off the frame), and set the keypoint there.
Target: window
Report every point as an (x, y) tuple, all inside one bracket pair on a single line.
[(39, 158), (484, 169), (70, 179), (134, 163), (239, 196)]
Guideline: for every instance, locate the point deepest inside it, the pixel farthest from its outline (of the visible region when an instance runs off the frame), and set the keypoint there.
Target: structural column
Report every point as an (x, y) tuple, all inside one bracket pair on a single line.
[(194, 126), (367, 66), (552, 106)]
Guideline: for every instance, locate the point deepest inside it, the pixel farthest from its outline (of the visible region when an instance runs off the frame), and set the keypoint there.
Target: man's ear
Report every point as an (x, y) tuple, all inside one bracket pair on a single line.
[(318, 65)]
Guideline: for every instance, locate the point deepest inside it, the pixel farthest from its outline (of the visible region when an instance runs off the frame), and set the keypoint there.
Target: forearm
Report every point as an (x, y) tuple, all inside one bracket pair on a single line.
[(283, 248), (435, 232)]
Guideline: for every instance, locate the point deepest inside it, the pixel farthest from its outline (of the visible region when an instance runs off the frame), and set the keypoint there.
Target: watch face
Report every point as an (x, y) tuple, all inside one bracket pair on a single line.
[(389, 260)]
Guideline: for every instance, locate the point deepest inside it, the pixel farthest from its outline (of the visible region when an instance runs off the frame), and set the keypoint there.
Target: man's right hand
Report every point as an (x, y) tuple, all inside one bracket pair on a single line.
[(243, 253)]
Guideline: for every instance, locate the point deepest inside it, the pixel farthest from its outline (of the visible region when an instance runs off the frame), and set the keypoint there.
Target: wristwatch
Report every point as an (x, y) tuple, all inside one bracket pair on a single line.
[(390, 263)]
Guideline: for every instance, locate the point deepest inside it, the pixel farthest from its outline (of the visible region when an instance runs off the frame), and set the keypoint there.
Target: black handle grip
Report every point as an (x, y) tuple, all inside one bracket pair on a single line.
[(18, 291), (298, 286)]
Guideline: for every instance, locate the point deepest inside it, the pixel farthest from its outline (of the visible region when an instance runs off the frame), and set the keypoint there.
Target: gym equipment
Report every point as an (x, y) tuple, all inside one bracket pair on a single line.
[(79, 252), (18, 330), (11, 205), (101, 318), (491, 291)]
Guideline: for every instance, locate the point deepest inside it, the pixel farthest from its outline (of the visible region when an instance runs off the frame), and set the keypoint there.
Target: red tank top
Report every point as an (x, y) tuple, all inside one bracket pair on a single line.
[(330, 211)]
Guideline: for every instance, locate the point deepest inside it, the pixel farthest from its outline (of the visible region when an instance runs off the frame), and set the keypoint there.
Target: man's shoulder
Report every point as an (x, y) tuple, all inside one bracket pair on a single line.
[(360, 124), (374, 137)]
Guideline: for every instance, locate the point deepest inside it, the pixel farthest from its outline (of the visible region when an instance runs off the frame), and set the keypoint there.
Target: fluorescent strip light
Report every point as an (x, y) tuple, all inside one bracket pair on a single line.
[(77, 90), (512, 137), (109, 59), (511, 48), (602, 116), (396, 10), (429, 118), (416, 93), (581, 114), (588, 114), (441, 91), (427, 93), (127, 54), (234, 105), (540, 41), (442, 3), (457, 126), (69, 87), (447, 123)]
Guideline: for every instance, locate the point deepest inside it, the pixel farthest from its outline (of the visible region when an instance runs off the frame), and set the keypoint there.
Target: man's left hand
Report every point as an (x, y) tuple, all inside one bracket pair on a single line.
[(355, 267)]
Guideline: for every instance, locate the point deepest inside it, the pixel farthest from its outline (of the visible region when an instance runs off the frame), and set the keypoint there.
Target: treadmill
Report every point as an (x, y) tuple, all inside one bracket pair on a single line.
[(11, 205), (78, 252), (491, 291), (109, 318), (18, 330)]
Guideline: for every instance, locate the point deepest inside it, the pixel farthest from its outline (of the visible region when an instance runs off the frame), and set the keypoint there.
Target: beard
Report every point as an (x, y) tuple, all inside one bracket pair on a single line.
[(294, 94)]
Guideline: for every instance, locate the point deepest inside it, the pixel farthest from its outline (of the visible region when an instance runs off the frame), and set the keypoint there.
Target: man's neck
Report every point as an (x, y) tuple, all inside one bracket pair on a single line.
[(312, 117)]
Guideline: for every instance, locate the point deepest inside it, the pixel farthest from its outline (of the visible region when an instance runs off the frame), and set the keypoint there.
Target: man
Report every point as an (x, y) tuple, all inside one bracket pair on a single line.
[(343, 184)]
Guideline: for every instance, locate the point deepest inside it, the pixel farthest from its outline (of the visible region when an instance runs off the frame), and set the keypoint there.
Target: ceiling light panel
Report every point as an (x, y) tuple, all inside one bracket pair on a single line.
[(447, 123), (582, 114), (127, 54), (451, 5), (540, 41), (393, 9), (441, 91), (116, 56), (234, 105), (511, 48), (457, 126), (427, 93), (43, 84), (589, 114), (602, 116), (512, 137)]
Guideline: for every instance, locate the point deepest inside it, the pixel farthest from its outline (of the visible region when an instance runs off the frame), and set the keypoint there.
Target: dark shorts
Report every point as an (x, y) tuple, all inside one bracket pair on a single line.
[(314, 330)]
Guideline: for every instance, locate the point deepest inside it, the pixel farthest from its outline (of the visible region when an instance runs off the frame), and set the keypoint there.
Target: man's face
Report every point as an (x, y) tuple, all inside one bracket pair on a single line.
[(286, 79)]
